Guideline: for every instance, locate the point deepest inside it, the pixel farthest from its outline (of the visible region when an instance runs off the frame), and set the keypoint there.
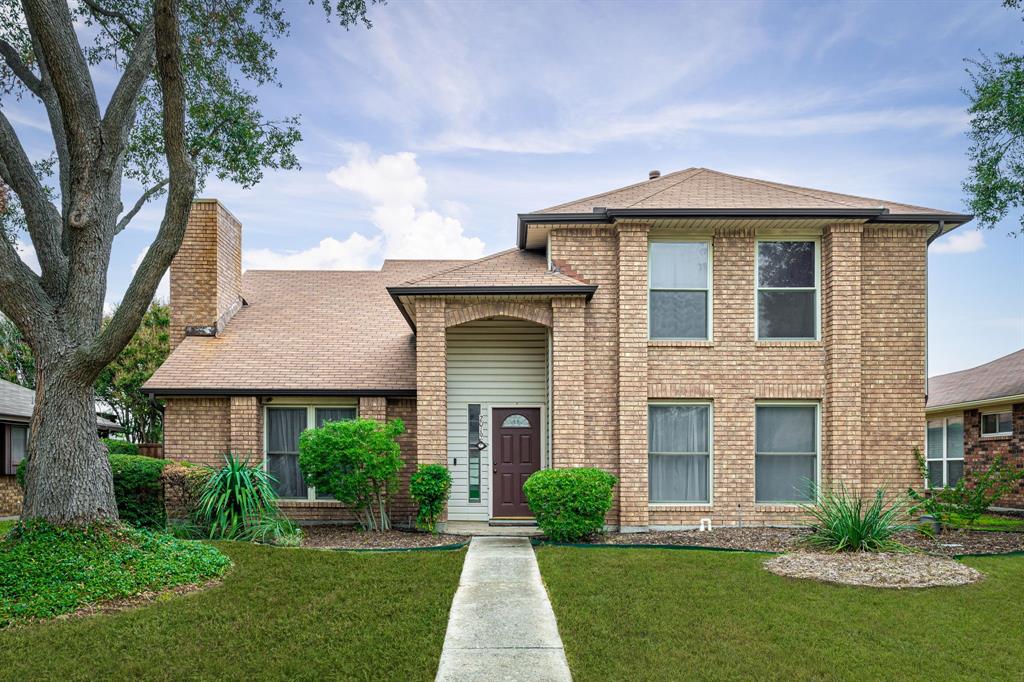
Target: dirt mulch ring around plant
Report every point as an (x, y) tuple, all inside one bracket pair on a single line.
[(893, 571), (351, 537), (767, 539)]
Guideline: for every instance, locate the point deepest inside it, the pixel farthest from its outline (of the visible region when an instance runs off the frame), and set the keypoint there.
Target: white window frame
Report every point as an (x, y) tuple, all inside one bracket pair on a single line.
[(945, 447), (710, 326), (817, 286), (817, 447), (996, 434), (311, 409), (711, 451)]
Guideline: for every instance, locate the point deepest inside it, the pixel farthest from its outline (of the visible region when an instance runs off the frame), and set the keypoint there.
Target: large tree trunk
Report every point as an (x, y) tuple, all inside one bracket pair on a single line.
[(68, 479)]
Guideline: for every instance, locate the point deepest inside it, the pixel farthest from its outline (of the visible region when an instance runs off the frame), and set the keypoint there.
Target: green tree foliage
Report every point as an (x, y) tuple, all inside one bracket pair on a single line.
[(429, 487), (995, 184), (120, 383), (355, 461), (16, 362)]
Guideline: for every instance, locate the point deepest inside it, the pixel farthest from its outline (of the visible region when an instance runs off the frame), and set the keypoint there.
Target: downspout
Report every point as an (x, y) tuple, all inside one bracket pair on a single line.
[(935, 235)]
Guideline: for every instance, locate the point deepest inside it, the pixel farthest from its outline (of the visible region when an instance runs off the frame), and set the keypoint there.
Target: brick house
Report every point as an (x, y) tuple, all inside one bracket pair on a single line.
[(718, 343), (975, 416), (16, 403)]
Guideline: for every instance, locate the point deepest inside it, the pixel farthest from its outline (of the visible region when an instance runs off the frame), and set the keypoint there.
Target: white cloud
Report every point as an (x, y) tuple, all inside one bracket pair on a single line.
[(163, 290), (961, 242), (355, 253), (397, 191)]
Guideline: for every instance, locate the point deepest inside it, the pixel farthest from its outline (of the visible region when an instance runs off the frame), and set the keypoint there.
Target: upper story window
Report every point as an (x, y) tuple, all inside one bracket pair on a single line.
[(680, 290), (284, 426), (997, 423), (945, 451), (787, 289)]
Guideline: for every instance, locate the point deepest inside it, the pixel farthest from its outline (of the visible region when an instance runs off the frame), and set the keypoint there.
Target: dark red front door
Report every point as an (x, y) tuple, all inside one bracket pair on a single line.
[(516, 437)]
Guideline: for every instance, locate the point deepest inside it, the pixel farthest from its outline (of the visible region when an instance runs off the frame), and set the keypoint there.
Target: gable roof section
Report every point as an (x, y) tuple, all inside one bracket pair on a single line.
[(1001, 378), (16, 403), (305, 332), (706, 192)]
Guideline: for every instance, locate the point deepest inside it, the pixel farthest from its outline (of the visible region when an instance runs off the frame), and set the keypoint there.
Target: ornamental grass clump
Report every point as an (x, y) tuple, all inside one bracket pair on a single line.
[(846, 522), (239, 503)]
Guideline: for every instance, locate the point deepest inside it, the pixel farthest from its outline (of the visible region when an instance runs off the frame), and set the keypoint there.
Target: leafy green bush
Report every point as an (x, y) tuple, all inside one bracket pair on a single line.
[(429, 487), (845, 522), (965, 502), (120, 447), (238, 501), (355, 461), (46, 571), (139, 490), (570, 504)]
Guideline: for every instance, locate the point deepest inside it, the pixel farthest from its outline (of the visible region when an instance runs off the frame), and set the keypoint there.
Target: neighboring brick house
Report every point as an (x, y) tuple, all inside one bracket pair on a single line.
[(974, 417), (16, 404), (718, 343)]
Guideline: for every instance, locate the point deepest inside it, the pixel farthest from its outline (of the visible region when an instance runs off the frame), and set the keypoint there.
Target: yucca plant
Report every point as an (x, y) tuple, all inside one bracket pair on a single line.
[(238, 500), (845, 522)]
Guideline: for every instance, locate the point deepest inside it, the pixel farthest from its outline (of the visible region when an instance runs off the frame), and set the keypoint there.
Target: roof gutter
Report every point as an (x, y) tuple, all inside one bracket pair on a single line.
[(975, 403), (610, 215)]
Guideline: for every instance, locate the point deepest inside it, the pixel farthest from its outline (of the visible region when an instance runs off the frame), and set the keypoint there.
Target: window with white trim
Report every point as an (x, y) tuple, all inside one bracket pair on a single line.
[(284, 426), (679, 453), (944, 457), (679, 295), (787, 290), (13, 446), (785, 452), (997, 423)]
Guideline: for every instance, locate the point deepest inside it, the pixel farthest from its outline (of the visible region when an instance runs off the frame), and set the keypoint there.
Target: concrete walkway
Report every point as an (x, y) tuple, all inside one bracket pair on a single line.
[(501, 626)]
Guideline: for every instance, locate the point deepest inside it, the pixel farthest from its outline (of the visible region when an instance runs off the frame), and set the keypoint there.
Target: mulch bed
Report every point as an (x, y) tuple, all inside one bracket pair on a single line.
[(766, 539), (893, 571), (351, 537)]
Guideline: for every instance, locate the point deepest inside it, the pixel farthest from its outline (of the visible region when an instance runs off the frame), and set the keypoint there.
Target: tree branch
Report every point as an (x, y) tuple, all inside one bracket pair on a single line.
[(146, 196), (125, 321), (41, 216), (53, 113), (113, 14), (20, 69), (22, 298), (120, 115)]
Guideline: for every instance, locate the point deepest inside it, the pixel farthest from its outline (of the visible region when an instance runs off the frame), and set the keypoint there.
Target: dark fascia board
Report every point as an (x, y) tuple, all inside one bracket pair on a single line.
[(549, 290), (388, 392), (608, 215)]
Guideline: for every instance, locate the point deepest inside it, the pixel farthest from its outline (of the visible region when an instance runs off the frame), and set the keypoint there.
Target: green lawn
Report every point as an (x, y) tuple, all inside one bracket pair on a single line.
[(6, 526), (642, 614), (991, 522), (280, 613)]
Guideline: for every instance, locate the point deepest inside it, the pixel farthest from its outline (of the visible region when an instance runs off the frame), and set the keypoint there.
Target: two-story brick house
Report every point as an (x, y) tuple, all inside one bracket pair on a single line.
[(721, 344)]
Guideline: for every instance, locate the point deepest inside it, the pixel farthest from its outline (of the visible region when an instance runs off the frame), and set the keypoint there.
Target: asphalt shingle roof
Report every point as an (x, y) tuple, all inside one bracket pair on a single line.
[(513, 267), (16, 403), (1000, 378)]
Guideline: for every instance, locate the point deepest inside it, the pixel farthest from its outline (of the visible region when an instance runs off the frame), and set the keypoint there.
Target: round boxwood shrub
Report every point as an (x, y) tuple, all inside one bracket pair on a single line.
[(120, 447), (429, 488), (570, 504)]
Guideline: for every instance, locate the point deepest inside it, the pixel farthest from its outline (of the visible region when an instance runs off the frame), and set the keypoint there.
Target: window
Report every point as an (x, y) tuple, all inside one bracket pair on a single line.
[(13, 446), (679, 453), (945, 451), (787, 290), (680, 290), (785, 453), (284, 426), (474, 452), (515, 421), (997, 424)]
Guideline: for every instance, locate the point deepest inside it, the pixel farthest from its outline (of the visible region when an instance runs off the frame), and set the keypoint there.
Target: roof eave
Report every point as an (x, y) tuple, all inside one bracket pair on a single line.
[(227, 391), (981, 402)]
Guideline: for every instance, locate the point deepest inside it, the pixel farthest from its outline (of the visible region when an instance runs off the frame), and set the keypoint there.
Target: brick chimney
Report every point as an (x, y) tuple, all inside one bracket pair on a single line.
[(206, 275)]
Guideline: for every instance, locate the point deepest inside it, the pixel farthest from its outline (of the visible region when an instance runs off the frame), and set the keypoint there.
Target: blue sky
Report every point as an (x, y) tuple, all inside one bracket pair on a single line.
[(427, 134)]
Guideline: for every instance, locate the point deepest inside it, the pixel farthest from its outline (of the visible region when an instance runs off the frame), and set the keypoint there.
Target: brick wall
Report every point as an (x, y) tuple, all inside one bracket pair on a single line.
[(980, 453), (403, 509), (10, 496), (866, 372), (197, 429), (206, 274), (431, 382)]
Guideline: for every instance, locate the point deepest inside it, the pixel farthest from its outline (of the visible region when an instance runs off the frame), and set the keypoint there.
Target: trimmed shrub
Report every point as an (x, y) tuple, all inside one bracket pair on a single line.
[(46, 571), (355, 461), (120, 447), (184, 483), (570, 504), (845, 522), (139, 490), (429, 487)]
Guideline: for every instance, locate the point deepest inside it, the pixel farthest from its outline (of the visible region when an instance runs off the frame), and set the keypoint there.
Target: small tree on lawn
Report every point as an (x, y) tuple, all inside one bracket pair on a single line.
[(355, 461)]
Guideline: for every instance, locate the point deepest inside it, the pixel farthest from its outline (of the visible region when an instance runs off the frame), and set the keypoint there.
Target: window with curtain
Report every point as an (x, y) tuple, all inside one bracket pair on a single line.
[(679, 453), (680, 290), (787, 290), (997, 424), (16, 447), (786, 453), (944, 455), (284, 425)]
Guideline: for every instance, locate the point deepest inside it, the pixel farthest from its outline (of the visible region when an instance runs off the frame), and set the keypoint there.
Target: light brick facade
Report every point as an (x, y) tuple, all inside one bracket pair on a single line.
[(10, 496)]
